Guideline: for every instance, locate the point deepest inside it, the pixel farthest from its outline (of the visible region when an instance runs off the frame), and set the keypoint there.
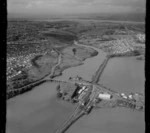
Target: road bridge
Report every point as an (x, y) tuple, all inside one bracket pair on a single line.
[(100, 70)]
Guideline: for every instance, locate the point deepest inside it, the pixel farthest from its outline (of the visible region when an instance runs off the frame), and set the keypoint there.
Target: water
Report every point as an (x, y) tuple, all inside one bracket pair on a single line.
[(37, 111), (87, 69), (118, 120), (124, 75)]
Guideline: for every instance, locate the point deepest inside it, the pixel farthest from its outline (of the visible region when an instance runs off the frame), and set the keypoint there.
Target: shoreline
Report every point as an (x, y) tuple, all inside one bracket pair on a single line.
[(53, 74), (59, 72)]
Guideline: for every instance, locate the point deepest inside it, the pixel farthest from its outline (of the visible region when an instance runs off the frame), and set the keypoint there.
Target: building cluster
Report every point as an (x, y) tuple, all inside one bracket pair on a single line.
[(141, 37), (121, 46), (89, 95), (132, 96), (15, 64), (135, 100)]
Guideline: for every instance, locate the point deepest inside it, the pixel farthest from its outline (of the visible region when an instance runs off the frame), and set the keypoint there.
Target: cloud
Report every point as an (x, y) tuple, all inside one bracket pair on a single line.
[(84, 1), (128, 5), (17, 2), (135, 3), (34, 3), (56, 2), (138, 3), (75, 5)]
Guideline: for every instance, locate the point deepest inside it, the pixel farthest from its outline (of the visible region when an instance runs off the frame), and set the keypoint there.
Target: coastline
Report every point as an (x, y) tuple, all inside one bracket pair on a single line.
[(58, 71)]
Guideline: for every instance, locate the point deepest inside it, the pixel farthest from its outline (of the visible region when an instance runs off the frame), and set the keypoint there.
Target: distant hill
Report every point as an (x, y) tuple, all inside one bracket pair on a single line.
[(138, 17)]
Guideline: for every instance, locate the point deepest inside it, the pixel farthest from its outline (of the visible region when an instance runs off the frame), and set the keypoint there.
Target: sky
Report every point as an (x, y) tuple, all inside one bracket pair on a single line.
[(75, 6)]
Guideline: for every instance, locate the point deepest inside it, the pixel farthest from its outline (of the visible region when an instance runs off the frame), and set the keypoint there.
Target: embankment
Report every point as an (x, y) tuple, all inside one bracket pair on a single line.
[(100, 70)]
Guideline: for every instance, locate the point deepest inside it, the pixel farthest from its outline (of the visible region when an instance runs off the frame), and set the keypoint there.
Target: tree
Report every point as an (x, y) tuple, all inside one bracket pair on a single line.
[(74, 50)]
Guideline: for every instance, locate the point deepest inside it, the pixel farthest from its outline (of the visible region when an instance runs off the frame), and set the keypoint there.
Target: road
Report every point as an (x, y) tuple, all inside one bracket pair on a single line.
[(78, 113), (15, 92), (47, 77), (100, 70), (53, 69)]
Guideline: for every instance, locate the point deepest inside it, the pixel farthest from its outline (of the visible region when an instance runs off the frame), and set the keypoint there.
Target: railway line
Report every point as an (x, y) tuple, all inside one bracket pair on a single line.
[(78, 113)]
